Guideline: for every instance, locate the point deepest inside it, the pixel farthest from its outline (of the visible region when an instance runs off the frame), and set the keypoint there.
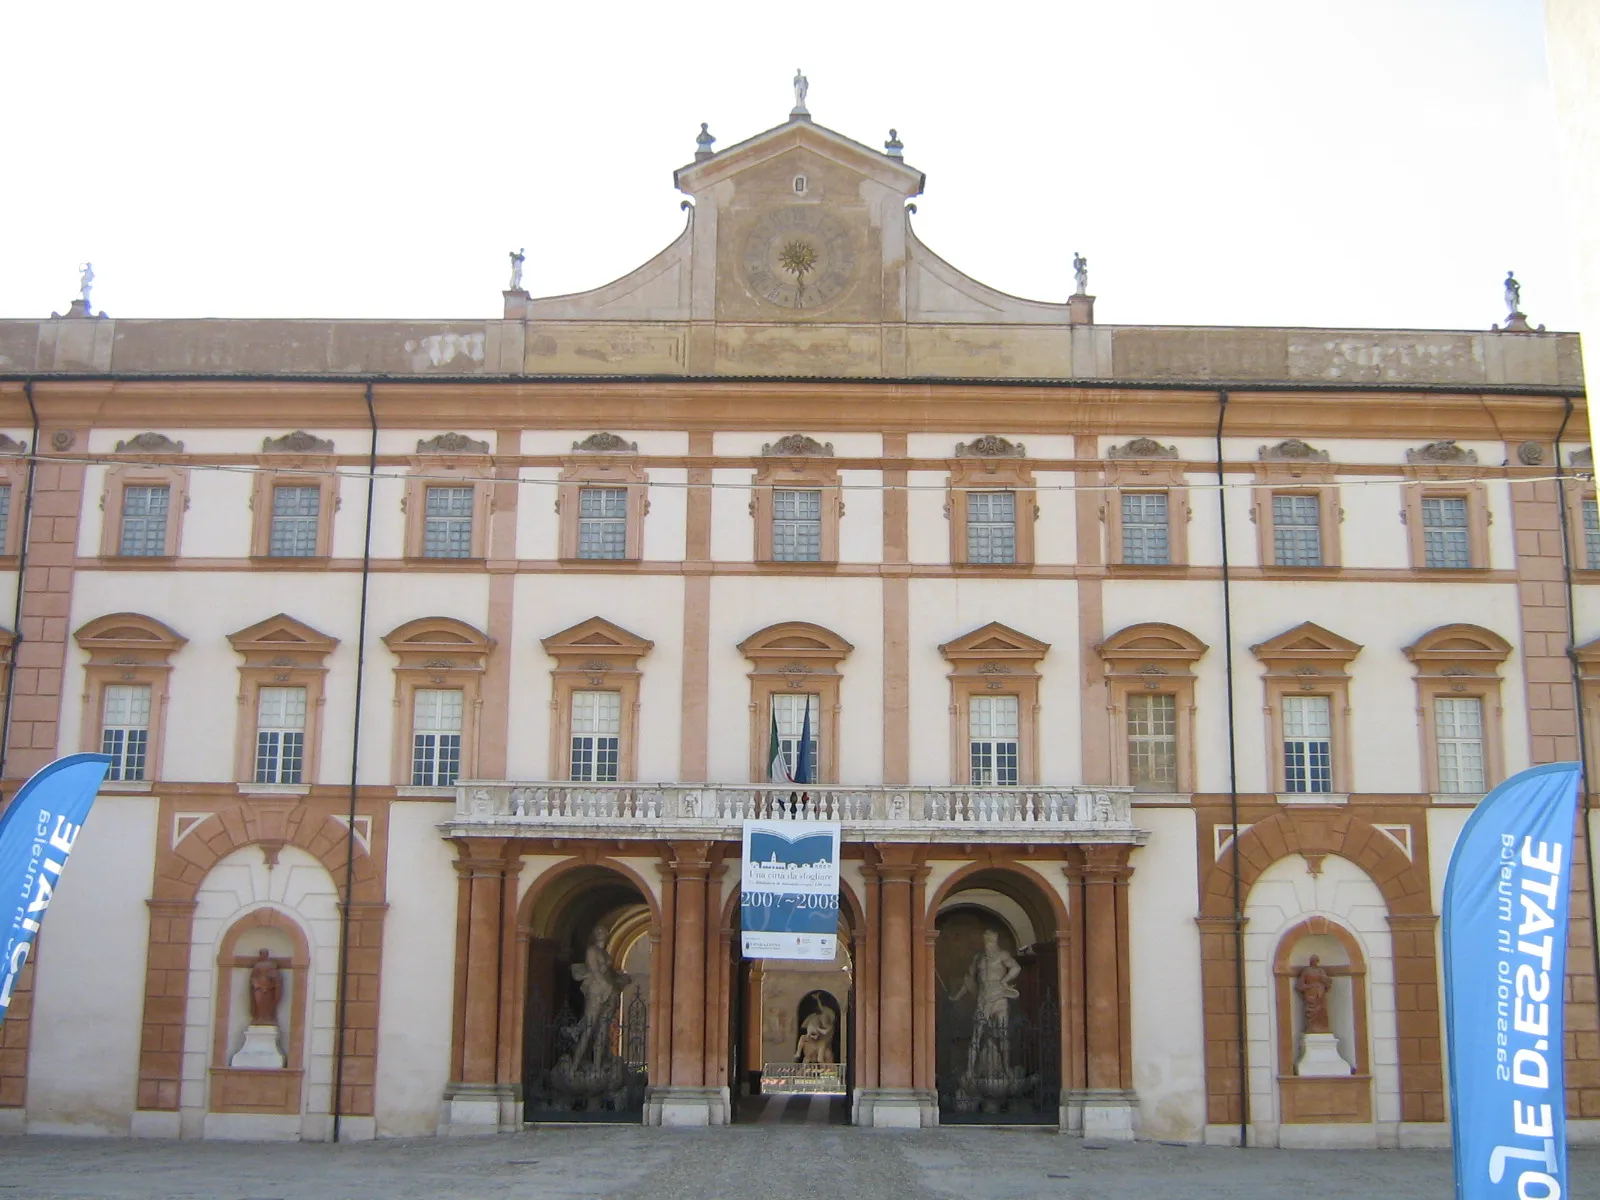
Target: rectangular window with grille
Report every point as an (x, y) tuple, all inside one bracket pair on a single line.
[(294, 521), (797, 525), (5, 514), (602, 522), (436, 737), (144, 520), (992, 740), (125, 729), (1307, 744), (596, 736), (1445, 543), (1458, 730), (447, 523), (1144, 528), (991, 527), (1591, 534), (1297, 531), (1153, 741), (280, 735), (790, 710)]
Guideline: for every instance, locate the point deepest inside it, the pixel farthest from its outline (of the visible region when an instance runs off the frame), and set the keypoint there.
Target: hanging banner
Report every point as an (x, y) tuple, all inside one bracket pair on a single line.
[(36, 835), (1505, 951), (789, 902)]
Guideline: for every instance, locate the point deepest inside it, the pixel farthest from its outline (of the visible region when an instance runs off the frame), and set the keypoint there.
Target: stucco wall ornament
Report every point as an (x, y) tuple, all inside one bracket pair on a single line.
[(1444, 451), (795, 444), (451, 443), (990, 446), (1581, 457), (63, 439), (1292, 450), (298, 442), (606, 443), (10, 445), (1142, 447), (149, 443), (1530, 454)]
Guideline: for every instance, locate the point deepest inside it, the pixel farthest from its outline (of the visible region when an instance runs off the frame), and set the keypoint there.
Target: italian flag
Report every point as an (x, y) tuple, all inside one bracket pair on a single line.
[(777, 769)]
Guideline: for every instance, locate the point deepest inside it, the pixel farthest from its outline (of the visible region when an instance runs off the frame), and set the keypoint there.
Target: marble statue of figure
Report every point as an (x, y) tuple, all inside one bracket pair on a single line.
[(266, 988), (1513, 293), (516, 268), (1313, 985), (801, 86), (989, 979), (816, 1034), (602, 983), (1080, 268), (85, 279)]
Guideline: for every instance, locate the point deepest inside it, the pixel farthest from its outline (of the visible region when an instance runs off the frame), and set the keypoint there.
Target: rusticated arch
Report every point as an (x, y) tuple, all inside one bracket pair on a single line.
[(1344, 834)]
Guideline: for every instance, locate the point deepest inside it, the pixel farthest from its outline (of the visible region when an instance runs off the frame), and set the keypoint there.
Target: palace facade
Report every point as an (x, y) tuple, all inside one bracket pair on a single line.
[(1139, 665)]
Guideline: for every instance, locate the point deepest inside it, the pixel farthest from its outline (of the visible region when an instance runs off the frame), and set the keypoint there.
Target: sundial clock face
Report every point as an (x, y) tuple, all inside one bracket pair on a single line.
[(798, 257)]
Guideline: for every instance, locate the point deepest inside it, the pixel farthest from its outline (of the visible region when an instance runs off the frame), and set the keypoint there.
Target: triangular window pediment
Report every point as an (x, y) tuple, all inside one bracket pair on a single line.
[(1307, 641), (995, 640), (597, 636)]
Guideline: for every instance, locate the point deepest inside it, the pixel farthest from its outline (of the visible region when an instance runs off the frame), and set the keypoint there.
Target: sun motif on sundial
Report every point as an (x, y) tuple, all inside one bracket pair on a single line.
[(798, 257)]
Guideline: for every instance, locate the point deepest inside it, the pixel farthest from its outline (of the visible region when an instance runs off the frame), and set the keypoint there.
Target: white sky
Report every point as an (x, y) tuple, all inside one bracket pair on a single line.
[(1364, 163)]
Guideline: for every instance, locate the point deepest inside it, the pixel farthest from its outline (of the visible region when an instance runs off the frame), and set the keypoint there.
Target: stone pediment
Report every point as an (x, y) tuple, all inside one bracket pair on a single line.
[(995, 642), (1152, 641), (596, 638), (429, 641), (800, 134), (128, 631), (281, 634), (795, 640), (1306, 643)]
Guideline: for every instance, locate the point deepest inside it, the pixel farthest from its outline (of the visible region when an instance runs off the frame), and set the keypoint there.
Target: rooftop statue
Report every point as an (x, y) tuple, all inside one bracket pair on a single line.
[(85, 279), (801, 86), (1080, 267), (1513, 294), (516, 268)]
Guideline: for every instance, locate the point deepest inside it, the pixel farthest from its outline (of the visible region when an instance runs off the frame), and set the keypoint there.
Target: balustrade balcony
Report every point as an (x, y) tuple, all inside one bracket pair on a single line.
[(868, 813)]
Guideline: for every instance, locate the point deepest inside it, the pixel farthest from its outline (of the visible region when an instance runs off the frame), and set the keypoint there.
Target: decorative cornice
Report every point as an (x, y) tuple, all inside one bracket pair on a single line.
[(449, 443), (991, 446), (298, 442), (797, 444), (1142, 447), (1444, 451), (606, 443), (1292, 450)]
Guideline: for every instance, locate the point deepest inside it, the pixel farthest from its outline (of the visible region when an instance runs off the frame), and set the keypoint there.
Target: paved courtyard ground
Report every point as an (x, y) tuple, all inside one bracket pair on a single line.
[(764, 1162)]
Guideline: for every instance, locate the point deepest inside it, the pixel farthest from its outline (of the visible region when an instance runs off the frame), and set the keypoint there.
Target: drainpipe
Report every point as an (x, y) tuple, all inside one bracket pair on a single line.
[(22, 574), (1233, 786), (355, 762), (1577, 686)]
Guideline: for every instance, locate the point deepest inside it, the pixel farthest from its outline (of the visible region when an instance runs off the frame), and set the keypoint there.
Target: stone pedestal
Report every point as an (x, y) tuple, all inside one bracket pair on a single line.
[(1099, 1114), (686, 1106), (260, 1050), (895, 1108), (1080, 310), (1319, 1055), (477, 1108)]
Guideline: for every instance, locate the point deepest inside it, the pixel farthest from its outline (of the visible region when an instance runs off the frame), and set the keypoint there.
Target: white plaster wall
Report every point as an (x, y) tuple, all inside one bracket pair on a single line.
[(733, 529), (944, 609), (650, 606), (1205, 536), (218, 522), (241, 883), (88, 999), (861, 527), (928, 531), (1284, 895), (666, 524), (419, 936), (538, 523), (1371, 533), (852, 608), (350, 515), (1055, 533), (845, 445), (1164, 962)]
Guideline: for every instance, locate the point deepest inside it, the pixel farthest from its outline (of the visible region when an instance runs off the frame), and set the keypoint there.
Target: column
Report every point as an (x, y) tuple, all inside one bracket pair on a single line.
[(1108, 1101), (689, 1097), (894, 992), (894, 1100), (475, 1100)]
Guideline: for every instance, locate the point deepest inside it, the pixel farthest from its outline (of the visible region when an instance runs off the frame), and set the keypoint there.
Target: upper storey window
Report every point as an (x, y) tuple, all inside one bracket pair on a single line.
[(603, 522), (145, 499), (1147, 509), (1446, 510), (447, 528), (447, 498), (296, 493), (990, 504), (145, 508), (295, 509), (602, 501), (797, 525), (796, 503), (1296, 530), (1445, 542), (1296, 509)]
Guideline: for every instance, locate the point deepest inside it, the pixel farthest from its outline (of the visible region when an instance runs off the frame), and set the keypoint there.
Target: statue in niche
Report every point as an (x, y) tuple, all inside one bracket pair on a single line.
[(602, 983), (989, 978), (266, 989), (816, 1034), (1313, 985)]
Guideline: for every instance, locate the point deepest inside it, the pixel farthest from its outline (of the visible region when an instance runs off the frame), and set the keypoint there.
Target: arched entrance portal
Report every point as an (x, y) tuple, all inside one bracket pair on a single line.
[(793, 1034), (586, 1024), (998, 1020)]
